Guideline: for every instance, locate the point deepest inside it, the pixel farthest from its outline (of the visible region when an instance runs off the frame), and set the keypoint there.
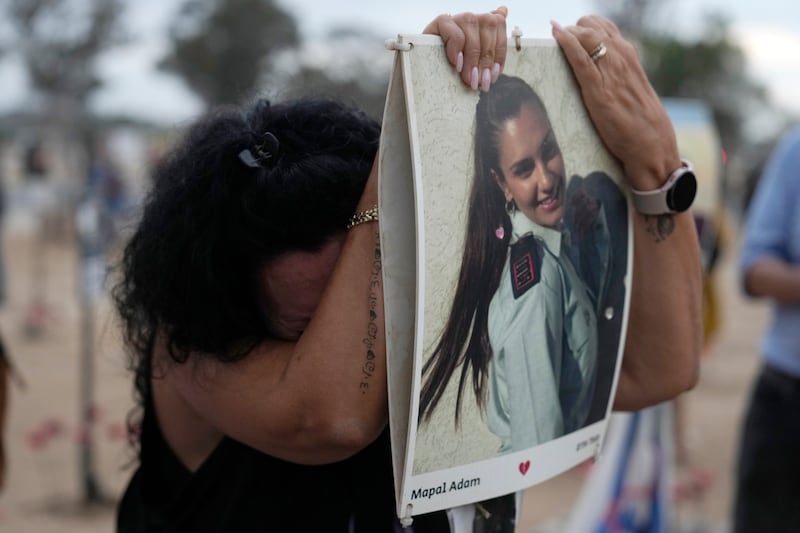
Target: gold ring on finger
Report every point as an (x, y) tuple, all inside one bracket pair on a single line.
[(598, 52)]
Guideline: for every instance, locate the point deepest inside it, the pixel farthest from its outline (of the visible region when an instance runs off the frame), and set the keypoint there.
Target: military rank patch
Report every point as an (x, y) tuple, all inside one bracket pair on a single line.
[(525, 264)]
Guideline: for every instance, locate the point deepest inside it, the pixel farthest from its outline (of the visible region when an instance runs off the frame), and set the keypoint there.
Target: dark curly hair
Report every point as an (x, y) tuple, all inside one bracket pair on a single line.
[(211, 221)]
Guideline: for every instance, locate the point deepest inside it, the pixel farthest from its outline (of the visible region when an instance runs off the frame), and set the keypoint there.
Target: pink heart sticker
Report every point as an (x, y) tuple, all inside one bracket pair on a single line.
[(523, 467)]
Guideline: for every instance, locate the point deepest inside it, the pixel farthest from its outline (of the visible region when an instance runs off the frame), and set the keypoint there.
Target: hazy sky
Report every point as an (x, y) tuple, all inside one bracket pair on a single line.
[(768, 30)]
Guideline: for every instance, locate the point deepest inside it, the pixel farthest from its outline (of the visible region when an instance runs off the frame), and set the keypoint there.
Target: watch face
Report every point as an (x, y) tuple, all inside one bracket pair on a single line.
[(682, 193)]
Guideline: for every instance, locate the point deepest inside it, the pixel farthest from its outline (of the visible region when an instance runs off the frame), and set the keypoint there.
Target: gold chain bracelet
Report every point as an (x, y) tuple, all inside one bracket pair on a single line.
[(368, 215)]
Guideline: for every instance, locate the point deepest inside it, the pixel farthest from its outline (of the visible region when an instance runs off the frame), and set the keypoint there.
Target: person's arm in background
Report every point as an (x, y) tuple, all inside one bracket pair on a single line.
[(774, 278), (665, 327), (768, 264)]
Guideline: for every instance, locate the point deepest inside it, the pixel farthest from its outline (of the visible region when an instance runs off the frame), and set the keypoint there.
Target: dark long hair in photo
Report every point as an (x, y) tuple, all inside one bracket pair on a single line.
[(465, 339)]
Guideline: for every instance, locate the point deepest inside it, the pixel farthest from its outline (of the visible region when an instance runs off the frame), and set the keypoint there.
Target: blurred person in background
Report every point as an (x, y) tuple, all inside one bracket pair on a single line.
[(41, 201), (5, 362), (5, 365), (106, 201), (5, 375), (7, 370), (768, 464), (252, 303)]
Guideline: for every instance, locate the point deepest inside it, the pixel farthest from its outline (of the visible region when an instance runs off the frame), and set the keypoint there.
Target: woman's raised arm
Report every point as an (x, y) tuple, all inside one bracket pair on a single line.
[(664, 338)]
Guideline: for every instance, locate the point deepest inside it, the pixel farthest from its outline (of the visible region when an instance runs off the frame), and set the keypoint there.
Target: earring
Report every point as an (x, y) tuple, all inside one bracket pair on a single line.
[(511, 207), (500, 232)]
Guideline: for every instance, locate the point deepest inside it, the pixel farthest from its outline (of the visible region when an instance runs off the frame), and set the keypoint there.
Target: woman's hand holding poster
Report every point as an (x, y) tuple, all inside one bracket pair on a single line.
[(507, 258)]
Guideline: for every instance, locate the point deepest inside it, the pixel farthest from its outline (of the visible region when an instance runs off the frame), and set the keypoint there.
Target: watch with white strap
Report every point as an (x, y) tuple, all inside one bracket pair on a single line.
[(675, 196)]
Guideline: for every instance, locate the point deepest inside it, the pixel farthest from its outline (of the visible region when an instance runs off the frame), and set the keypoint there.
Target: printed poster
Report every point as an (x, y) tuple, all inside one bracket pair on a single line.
[(507, 248)]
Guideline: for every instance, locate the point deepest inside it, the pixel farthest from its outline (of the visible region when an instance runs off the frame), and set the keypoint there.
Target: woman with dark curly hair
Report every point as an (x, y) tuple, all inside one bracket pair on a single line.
[(239, 237), (252, 305)]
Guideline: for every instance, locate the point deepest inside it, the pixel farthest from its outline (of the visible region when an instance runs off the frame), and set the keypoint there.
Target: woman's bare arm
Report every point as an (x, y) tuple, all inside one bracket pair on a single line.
[(324, 397), (316, 400), (664, 339)]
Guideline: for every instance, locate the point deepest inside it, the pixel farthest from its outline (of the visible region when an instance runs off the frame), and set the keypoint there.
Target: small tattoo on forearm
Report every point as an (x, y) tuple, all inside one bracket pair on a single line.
[(660, 227), (368, 369)]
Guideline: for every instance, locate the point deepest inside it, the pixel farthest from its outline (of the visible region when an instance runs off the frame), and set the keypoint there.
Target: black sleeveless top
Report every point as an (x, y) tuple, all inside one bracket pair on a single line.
[(240, 490)]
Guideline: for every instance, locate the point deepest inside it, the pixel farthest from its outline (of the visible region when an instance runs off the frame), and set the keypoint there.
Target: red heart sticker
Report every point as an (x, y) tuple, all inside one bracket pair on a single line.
[(523, 467)]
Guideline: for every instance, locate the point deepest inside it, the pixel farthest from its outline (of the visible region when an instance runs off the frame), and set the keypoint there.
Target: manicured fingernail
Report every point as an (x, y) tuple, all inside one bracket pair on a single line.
[(460, 62), (495, 72), (473, 79), (486, 80)]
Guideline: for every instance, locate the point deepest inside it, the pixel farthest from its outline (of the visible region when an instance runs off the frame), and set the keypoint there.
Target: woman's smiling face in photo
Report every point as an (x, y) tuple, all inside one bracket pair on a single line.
[(532, 166)]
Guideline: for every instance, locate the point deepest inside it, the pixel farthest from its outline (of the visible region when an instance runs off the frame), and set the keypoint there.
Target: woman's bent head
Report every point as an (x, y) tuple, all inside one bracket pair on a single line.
[(240, 190)]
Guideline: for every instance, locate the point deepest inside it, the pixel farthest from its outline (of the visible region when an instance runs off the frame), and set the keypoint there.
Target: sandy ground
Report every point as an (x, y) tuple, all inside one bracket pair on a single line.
[(45, 491)]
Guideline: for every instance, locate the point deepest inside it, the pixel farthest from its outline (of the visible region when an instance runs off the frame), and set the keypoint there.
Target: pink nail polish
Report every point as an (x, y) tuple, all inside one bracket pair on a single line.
[(495, 72), (486, 80), (473, 79), (460, 62)]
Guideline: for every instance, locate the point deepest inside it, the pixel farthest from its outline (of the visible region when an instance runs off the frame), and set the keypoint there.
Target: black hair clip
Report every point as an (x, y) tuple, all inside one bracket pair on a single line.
[(267, 149)]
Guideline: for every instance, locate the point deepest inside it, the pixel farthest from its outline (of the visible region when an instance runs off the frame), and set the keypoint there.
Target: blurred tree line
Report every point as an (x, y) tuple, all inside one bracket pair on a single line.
[(711, 67), (59, 42), (225, 51), (231, 50), (228, 51)]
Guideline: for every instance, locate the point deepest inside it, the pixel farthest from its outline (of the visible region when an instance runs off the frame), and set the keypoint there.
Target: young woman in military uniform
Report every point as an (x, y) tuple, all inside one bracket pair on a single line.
[(544, 284)]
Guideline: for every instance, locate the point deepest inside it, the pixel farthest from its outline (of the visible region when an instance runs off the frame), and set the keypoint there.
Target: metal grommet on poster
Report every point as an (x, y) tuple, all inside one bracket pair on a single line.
[(517, 35)]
